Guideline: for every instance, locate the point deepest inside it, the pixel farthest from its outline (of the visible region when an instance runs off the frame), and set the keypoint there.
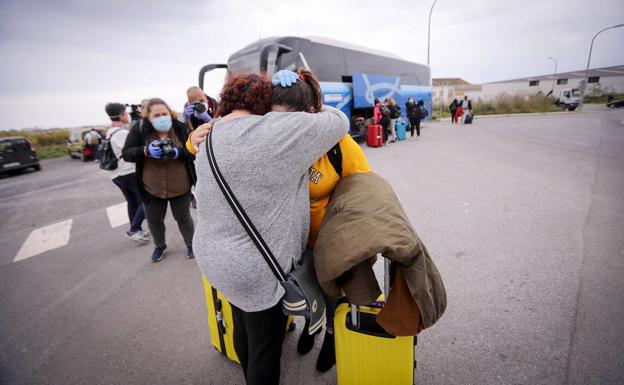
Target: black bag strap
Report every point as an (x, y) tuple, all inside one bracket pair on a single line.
[(241, 214), (109, 144), (335, 158)]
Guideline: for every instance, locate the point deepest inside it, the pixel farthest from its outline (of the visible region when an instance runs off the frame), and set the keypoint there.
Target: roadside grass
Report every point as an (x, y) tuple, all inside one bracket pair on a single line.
[(504, 104), (602, 99), (52, 151), (48, 143)]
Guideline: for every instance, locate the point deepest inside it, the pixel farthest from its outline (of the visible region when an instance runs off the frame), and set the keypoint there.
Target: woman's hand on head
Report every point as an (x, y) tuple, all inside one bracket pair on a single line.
[(284, 78), (199, 135)]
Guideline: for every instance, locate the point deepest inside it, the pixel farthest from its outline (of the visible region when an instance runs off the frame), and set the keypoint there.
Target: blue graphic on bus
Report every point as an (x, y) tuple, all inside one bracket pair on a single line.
[(368, 87)]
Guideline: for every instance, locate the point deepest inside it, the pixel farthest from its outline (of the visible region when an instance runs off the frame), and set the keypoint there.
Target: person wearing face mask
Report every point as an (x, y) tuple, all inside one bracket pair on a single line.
[(199, 108), (165, 173), (124, 175)]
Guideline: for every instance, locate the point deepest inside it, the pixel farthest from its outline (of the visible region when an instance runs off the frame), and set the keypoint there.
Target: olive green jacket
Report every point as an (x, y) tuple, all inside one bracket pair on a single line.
[(364, 218)]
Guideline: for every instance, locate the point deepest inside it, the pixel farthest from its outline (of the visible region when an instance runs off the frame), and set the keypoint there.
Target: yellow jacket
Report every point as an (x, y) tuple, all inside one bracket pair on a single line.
[(323, 180)]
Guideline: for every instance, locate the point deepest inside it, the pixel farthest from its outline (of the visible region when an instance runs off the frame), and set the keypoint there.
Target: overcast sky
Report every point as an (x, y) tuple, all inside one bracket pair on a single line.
[(63, 60)]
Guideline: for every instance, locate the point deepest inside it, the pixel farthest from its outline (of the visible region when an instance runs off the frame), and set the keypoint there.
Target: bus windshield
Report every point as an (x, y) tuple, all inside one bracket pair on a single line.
[(351, 77)]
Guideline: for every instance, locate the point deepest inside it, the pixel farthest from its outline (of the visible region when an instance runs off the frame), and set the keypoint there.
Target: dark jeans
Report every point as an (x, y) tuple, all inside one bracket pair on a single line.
[(414, 123), (130, 190), (156, 210), (258, 343), (330, 308), (453, 120)]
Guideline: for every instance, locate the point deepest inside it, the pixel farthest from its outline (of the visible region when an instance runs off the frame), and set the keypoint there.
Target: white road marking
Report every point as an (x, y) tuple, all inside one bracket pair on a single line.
[(45, 239), (118, 215)]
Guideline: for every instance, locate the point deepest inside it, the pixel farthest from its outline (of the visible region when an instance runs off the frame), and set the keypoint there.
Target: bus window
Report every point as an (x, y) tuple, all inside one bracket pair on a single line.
[(327, 62), (245, 64), (289, 61)]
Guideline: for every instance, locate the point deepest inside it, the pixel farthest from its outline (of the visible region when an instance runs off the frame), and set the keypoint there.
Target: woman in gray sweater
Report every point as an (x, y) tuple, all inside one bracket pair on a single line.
[(265, 160)]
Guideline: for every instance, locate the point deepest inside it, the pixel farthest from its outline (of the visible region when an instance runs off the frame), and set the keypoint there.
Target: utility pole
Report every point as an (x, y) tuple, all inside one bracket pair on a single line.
[(429, 31), (552, 92), (585, 80)]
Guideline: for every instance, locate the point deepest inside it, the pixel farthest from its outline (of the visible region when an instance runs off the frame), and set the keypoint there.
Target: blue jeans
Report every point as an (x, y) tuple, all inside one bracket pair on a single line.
[(130, 190)]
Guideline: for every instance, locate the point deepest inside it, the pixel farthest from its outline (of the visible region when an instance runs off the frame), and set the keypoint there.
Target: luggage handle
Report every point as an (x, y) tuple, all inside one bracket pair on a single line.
[(355, 315)]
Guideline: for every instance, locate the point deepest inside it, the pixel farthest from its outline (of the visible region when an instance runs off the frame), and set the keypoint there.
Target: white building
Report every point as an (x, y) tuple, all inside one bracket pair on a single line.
[(446, 89), (600, 80)]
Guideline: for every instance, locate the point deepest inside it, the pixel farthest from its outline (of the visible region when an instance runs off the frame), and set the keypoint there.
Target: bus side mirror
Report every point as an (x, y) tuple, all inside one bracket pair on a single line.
[(208, 68), (267, 49)]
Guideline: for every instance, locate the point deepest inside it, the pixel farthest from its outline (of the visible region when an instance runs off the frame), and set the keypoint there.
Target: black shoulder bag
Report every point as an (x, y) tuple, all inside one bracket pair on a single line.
[(304, 296)]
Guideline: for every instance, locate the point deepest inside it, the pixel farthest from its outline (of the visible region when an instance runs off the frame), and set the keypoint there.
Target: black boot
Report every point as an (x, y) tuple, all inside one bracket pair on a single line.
[(306, 341), (327, 356)]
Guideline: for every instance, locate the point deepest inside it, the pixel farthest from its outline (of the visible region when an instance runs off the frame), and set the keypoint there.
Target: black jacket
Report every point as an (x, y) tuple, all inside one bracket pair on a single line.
[(412, 110), (135, 149), (395, 111)]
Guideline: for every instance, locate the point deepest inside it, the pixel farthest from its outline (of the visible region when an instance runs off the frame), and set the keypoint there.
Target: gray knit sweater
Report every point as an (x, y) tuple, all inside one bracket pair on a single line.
[(265, 160)]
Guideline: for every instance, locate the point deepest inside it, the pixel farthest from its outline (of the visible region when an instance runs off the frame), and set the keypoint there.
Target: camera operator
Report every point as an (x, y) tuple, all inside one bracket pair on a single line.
[(199, 108), (165, 172), (124, 175)]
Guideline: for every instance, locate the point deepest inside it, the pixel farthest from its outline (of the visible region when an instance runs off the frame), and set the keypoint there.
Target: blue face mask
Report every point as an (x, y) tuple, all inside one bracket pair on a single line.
[(162, 123)]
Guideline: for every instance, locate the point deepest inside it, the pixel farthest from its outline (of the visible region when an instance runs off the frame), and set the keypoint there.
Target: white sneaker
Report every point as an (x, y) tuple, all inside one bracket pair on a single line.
[(137, 236), (145, 233)]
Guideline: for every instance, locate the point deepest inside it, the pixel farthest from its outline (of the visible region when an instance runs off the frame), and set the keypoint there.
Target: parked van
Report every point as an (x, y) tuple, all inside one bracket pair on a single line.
[(17, 153)]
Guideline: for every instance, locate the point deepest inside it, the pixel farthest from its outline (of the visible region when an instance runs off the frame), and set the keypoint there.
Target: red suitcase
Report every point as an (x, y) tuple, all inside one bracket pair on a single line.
[(374, 137)]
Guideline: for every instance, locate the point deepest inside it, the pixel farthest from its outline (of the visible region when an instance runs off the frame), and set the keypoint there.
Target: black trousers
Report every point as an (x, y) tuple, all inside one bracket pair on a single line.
[(156, 210), (258, 343), (385, 124), (414, 123)]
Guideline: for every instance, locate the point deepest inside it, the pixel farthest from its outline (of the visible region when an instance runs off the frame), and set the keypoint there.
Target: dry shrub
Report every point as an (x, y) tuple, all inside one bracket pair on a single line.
[(40, 137), (513, 104)]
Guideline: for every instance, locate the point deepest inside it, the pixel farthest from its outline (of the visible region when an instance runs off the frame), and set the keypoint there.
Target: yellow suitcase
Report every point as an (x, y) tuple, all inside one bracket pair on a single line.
[(221, 323), (365, 353)]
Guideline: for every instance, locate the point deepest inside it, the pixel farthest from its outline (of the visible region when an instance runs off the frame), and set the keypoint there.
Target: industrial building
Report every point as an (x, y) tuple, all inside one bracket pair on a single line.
[(600, 80)]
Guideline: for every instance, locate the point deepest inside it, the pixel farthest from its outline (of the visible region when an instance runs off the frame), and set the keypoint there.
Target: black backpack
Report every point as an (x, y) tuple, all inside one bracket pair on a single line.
[(106, 155), (384, 110), (395, 112), (423, 112)]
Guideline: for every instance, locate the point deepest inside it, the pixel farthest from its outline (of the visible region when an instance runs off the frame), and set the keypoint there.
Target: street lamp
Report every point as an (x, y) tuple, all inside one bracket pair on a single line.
[(554, 75), (586, 79), (429, 31)]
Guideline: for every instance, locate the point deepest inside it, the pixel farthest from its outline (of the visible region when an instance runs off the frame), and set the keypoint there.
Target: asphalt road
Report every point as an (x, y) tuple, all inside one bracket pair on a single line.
[(523, 216)]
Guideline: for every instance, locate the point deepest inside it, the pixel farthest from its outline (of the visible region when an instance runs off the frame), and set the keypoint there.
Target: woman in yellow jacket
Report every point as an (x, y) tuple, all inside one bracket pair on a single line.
[(345, 158)]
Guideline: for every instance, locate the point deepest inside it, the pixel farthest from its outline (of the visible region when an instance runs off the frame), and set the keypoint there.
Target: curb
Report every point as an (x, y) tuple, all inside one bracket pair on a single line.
[(514, 115)]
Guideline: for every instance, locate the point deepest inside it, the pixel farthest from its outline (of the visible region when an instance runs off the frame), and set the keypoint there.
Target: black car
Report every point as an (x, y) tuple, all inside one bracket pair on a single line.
[(17, 153), (615, 103)]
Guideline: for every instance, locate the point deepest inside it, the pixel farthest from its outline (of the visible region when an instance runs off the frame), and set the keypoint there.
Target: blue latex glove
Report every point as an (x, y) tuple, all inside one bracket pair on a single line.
[(203, 116), (284, 78), (188, 111), (154, 150)]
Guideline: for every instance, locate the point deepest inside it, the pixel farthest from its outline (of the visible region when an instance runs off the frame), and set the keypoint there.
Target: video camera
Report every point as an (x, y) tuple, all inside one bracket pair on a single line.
[(135, 111)]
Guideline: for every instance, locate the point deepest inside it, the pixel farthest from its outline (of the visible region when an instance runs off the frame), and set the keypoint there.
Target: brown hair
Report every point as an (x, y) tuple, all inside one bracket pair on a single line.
[(300, 96), (250, 92), (391, 102), (157, 101)]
